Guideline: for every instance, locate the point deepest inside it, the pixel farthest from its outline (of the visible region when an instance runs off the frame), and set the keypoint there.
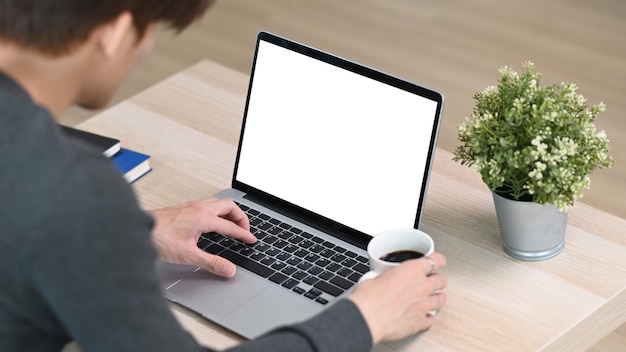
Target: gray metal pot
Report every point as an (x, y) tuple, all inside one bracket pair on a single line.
[(530, 231)]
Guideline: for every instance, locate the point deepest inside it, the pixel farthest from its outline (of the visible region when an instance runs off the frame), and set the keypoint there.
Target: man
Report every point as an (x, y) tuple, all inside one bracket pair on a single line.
[(76, 251)]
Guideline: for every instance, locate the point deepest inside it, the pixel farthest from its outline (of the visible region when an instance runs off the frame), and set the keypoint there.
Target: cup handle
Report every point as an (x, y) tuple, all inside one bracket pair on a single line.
[(368, 276)]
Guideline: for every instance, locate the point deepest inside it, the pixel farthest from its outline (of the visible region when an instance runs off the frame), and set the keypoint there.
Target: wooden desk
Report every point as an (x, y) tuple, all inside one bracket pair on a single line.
[(190, 125)]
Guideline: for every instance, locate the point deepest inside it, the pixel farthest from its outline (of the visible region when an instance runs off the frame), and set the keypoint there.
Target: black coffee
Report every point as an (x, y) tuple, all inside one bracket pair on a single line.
[(402, 255)]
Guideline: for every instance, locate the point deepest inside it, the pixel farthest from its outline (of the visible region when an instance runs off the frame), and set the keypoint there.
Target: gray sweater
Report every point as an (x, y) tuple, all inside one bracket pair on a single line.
[(76, 258)]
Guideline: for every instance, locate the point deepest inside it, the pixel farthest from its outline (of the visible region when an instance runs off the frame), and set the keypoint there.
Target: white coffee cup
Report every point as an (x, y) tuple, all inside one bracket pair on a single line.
[(394, 241)]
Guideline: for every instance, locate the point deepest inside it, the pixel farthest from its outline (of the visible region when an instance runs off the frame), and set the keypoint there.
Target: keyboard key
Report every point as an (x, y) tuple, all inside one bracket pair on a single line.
[(310, 280), (354, 277), (301, 253), (306, 235), (344, 272), (276, 231), (278, 278), (316, 270), (321, 300), (349, 263), (274, 222), (299, 275), (280, 244), (323, 262), (266, 226), (270, 239), (283, 256), (273, 252), (333, 267), (247, 263), (329, 288), (203, 243), (362, 259), (258, 256), (341, 282), (317, 239), (278, 266), (306, 244), (284, 235), (214, 236), (227, 242), (326, 275), (362, 268), (338, 258), (261, 247), (289, 270), (237, 246), (260, 234), (294, 261), (327, 253), (268, 261), (316, 248), (290, 283), (305, 265), (340, 249), (299, 290), (328, 244), (290, 248), (312, 257), (350, 254), (313, 293), (247, 251), (296, 239), (214, 248)]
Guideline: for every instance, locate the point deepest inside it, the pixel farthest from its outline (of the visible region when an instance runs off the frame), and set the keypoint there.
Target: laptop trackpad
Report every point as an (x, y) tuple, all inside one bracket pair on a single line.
[(205, 292)]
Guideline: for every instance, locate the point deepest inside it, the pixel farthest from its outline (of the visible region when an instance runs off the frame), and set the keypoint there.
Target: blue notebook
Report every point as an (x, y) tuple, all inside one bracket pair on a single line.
[(133, 165)]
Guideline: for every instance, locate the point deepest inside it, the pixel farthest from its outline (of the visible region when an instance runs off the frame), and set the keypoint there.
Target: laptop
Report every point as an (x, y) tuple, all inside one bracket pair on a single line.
[(330, 153)]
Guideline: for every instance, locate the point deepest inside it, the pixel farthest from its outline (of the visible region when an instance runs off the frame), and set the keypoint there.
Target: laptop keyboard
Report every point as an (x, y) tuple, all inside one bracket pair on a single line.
[(287, 256)]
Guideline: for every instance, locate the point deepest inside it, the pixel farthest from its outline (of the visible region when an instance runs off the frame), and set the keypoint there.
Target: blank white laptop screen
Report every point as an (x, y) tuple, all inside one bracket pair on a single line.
[(342, 145)]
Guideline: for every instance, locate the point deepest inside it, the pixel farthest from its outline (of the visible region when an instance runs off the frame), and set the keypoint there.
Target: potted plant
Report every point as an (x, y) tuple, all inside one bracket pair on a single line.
[(534, 147)]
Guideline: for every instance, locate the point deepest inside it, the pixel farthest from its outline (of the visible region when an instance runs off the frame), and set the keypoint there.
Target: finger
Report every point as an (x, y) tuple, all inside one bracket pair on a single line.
[(438, 281), (216, 264), (437, 262), (437, 301), (225, 208), (232, 212), (227, 219), (230, 229)]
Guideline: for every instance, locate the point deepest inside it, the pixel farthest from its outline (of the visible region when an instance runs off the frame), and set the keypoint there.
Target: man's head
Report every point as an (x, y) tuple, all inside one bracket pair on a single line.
[(55, 26), (66, 52)]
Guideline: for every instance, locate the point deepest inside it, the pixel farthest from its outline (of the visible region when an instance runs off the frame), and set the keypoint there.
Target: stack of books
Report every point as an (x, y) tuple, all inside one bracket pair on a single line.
[(131, 164)]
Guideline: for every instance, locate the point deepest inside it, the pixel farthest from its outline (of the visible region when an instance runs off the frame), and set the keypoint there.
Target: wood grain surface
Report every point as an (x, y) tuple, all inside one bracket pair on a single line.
[(190, 123)]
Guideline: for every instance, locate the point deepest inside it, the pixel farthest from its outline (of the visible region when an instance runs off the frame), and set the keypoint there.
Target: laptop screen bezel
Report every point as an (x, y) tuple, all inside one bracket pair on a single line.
[(310, 218)]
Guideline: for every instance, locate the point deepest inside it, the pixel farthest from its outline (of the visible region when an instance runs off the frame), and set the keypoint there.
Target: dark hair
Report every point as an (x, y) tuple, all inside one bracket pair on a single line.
[(54, 26)]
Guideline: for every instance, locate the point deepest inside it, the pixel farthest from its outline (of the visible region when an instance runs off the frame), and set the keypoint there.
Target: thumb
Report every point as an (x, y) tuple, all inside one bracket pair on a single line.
[(216, 264)]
